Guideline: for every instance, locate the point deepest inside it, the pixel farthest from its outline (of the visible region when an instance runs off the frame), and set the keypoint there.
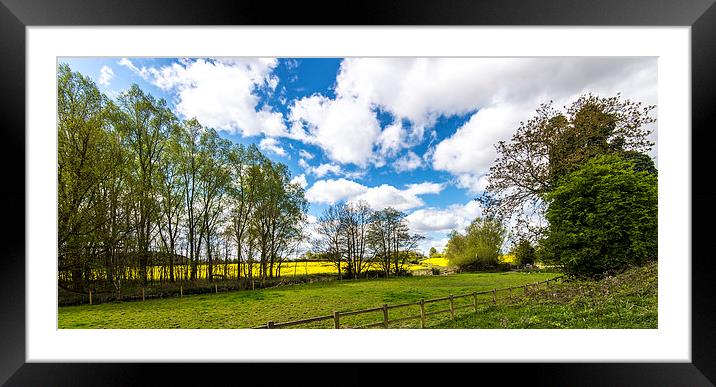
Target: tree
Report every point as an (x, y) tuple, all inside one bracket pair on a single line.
[(433, 252), (136, 186), (480, 246), (189, 165), (279, 214), (554, 143), (89, 162), (603, 217), (524, 252), (241, 191), (329, 230), (388, 236), (144, 123), (354, 219), (171, 197), (213, 182)]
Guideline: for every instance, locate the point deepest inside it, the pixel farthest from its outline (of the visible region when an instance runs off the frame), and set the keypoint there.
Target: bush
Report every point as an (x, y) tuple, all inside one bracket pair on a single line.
[(603, 218)]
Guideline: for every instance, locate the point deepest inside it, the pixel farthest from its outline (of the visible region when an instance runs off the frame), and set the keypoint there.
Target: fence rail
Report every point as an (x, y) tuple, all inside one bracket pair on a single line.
[(386, 321)]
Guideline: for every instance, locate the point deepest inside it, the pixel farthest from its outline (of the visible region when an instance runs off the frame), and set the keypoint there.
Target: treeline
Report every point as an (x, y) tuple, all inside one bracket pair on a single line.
[(138, 187), (577, 188), (357, 238)]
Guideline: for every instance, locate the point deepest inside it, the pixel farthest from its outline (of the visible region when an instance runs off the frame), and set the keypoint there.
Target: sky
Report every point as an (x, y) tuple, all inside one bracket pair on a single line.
[(416, 134)]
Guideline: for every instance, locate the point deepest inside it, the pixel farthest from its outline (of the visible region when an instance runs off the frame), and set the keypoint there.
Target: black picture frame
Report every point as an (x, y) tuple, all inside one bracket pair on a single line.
[(16, 15)]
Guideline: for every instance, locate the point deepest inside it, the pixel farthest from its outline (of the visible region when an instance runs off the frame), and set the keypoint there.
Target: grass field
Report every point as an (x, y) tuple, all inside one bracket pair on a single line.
[(628, 300), (245, 309)]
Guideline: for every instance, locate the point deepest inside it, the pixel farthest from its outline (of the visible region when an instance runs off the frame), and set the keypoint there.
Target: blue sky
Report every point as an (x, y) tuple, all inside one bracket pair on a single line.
[(417, 134)]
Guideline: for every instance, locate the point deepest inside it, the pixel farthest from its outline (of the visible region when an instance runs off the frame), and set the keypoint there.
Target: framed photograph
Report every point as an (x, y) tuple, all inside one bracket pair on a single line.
[(499, 186)]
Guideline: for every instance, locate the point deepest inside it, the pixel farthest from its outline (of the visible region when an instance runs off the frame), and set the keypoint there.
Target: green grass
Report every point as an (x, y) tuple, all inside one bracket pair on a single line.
[(627, 300), (245, 309)]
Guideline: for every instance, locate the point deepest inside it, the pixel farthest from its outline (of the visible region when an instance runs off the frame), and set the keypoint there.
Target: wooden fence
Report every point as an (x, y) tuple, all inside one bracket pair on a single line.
[(386, 321)]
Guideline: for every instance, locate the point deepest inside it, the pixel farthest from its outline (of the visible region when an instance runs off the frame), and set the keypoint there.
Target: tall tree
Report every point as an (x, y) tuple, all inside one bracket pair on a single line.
[(245, 171), (86, 158), (171, 197), (145, 123), (554, 143), (190, 164), (354, 220), (329, 231), (213, 182)]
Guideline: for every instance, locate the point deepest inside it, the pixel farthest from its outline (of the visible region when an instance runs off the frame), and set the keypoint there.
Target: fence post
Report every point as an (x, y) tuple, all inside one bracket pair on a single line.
[(452, 307), (422, 313), (336, 320), (385, 315), (474, 301), (510, 293), (269, 325), (142, 293), (216, 288), (494, 296), (181, 291), (90, 297)]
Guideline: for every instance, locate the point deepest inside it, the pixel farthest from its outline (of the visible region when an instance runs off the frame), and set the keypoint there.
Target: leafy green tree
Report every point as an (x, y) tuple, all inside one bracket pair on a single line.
[(480, 246), (389, 237), (88, 159), (144, 124), (554, 143), (524, 252), (603, 217), (244, 169)]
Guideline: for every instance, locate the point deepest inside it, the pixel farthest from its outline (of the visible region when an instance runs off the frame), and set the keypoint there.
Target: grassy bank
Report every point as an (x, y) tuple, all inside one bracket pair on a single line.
[(627, 300)]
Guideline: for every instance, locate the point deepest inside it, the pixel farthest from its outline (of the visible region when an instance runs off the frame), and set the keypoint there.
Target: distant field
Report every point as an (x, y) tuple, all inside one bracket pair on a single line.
[(287, 269), (245, 309)]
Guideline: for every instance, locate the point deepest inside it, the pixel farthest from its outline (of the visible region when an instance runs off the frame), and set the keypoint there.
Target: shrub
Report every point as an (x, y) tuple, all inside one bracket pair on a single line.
[(603, 218)]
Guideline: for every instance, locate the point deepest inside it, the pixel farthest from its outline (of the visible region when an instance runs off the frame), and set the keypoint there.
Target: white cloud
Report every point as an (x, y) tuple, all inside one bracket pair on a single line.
[(454, 217), (324, 169), (471, 147), (503, 91), (220, 93), (379, 197), (344, 128), (473, 183), (305, 154), (300, 180), (272, 145), (422, 89), (303, 164), (408, 162), (425, 188), (331, 191), (128, 64), (105, 75), (385, 195), (392, 139)]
